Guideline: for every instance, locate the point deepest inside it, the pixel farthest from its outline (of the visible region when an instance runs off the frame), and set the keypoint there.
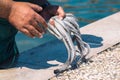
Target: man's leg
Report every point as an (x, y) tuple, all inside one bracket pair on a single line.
[(8, 48)]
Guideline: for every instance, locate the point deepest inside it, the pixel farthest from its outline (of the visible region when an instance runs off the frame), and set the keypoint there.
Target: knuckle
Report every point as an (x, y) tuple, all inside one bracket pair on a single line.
[(23, 30)]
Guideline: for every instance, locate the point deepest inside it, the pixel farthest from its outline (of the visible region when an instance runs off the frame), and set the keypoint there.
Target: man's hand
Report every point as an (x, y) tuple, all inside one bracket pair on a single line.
[(25, 18), (52, 10)]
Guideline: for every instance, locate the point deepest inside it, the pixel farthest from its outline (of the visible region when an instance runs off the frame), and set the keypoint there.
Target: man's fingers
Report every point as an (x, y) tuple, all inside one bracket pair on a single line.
[(60, 12), (56, 10), (26, 32), (41, 22), (35, 7), (33, 31), (36, 26), (51, 21)]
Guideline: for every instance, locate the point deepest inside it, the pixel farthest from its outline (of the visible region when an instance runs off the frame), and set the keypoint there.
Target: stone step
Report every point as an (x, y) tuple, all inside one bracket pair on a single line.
[(39, 62)]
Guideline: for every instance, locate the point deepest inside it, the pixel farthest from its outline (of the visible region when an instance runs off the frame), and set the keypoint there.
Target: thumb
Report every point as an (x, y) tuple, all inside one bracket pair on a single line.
[(61, 13), (35, 7)]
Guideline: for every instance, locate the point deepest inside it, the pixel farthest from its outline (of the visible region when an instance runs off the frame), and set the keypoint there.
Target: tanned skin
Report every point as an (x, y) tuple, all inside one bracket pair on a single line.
[(24, 16)]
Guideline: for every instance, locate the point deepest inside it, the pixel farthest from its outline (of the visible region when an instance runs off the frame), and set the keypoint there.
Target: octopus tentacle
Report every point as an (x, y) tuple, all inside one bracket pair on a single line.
[(66, 30)]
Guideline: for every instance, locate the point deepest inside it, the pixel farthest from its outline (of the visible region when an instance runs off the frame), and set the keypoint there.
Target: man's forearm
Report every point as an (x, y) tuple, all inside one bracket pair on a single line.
[(5, 7)]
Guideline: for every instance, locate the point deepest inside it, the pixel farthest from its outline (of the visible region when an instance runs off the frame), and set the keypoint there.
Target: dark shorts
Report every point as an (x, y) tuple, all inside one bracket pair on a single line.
[(8, 48)]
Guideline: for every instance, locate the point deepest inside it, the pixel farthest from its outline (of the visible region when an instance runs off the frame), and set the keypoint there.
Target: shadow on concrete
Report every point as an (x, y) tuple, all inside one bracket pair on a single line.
[(92, 40), (38, 57)]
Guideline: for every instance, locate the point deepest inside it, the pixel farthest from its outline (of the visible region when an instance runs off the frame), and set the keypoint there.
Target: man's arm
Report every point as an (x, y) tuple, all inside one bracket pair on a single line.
[(5, 7), (23, 16)]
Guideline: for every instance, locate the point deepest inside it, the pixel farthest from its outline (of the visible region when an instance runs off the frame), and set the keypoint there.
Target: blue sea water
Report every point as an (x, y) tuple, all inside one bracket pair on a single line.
[(86, 11)]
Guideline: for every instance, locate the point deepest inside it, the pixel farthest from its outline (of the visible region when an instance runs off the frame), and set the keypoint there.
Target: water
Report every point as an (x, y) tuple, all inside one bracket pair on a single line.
[(86, 11)]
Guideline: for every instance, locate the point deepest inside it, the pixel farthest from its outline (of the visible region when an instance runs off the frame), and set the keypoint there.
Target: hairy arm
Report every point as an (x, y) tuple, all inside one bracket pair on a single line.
[(5, 7), (24, 15)]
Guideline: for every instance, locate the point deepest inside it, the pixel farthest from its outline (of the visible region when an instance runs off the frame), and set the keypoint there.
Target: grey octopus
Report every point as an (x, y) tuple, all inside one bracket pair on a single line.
[(67, 30)]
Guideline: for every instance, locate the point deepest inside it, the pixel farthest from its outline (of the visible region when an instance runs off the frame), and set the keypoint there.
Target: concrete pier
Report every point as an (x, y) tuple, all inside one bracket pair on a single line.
[(39, 62)]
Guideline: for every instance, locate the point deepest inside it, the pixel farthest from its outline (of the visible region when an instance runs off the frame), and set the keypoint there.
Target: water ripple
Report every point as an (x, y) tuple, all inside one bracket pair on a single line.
[(88, 11)]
